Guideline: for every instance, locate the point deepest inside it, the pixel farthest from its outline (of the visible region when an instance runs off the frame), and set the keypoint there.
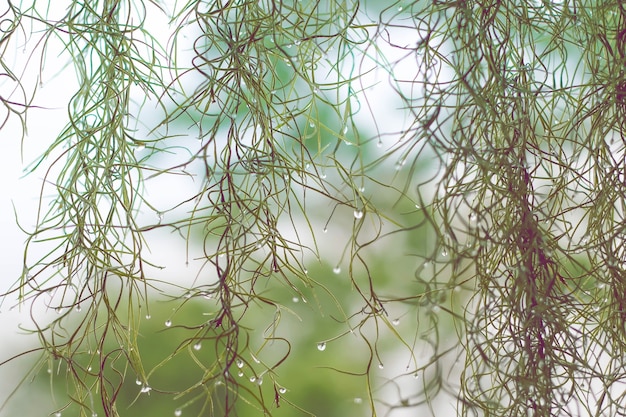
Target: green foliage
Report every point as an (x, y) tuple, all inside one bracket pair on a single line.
[(480, 240)]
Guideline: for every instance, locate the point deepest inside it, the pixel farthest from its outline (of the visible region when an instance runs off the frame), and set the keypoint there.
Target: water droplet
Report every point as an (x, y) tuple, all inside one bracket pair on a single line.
[(337, 269), (282, 390), (138, 381), (239, 363), (321, 346), (436, 309), (159, 216), (297, 42), (358, 214), (197, 346), (288, 46), (78, 308), (296, 299), (395, 322), (94, 414), (168, 323), (145, 389), (358, 400), (259, 380), (379, 144), (178, 412), (240, 373), (444, 252), (344, 130), (325, 230), (381, 366), (252, 378), (148, 316), (400, 8), (57, 414), (416, 375)]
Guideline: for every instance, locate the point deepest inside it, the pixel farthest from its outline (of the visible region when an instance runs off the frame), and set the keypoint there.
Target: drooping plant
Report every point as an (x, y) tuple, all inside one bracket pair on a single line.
[(270, 109)]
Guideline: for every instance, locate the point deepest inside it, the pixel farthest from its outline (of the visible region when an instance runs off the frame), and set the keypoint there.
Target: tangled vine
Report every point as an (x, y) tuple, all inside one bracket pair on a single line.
[(507, 162)]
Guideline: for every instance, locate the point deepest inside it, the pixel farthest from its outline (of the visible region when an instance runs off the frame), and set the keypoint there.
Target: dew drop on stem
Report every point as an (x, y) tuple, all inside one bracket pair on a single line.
[(178, 412), (358, 214), (168, 323), (337, 269), (321, 346)]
